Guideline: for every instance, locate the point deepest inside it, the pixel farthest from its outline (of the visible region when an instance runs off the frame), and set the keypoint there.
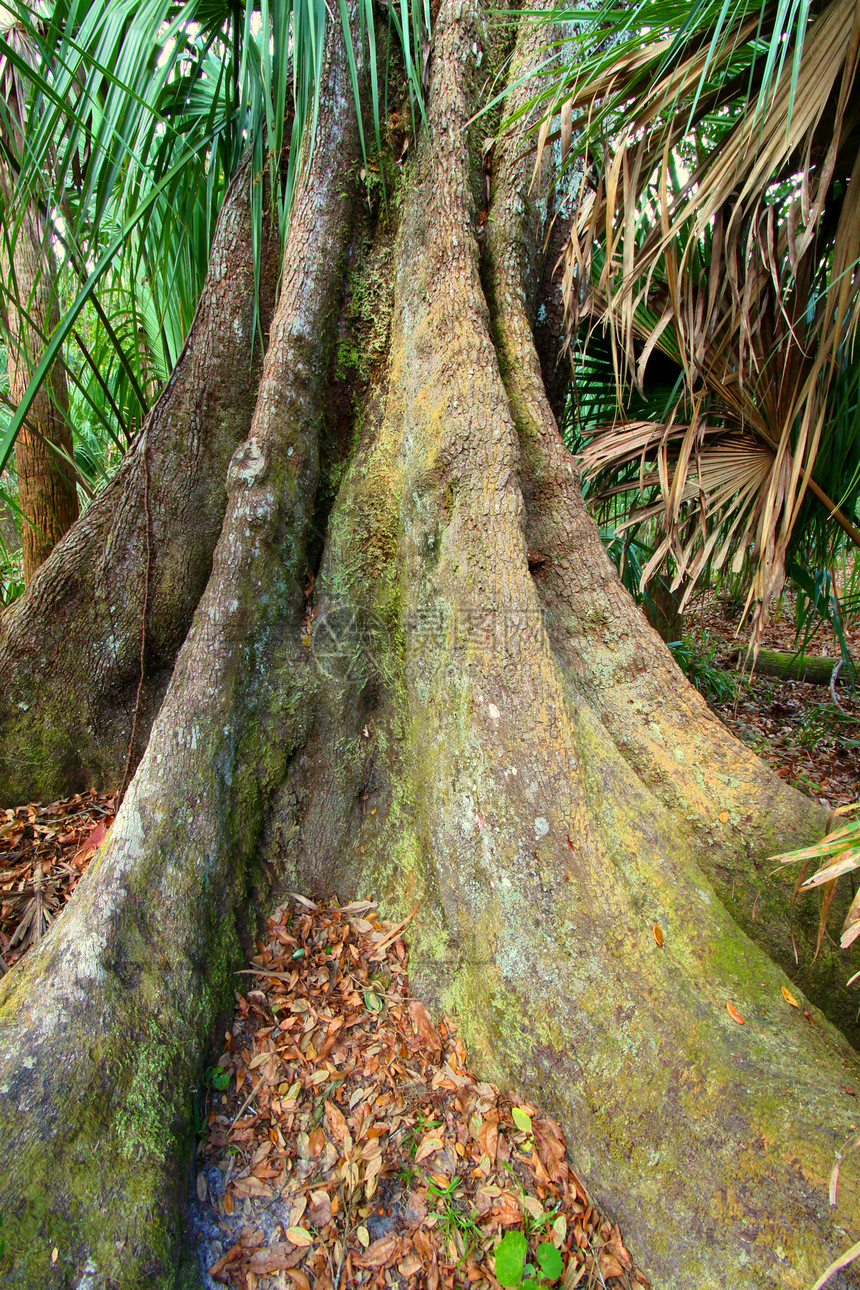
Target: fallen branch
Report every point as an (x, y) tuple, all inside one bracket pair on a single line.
[(787, 666)]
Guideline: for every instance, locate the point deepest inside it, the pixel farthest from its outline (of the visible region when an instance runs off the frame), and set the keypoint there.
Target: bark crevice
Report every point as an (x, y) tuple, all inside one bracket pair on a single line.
[(521, 804), (734, 812), (140, 966)]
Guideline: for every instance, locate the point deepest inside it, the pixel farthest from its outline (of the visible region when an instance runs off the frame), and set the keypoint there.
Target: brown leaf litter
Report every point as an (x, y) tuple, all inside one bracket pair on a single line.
[(792, 725), (353, 1146), (44, 850)]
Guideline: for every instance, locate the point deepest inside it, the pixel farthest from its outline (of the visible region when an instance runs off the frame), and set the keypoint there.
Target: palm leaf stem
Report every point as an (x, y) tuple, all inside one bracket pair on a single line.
[(94, 368)]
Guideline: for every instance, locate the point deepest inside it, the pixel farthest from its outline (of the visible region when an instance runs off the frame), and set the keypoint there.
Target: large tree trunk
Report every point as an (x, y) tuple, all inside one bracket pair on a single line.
[(484, 722), (47, 493)]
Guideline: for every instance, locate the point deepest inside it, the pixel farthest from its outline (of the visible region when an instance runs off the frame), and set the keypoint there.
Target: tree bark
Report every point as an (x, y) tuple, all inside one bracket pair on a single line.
[(661, 610), (116, 597), (730, 805), (484, 723), (47, 493)]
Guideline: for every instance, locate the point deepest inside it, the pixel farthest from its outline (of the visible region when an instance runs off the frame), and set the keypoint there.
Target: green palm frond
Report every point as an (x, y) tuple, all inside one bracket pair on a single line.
[(124, 122)]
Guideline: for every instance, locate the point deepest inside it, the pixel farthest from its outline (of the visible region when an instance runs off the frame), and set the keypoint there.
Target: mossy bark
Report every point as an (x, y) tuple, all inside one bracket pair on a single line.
[(730, 806), (136, 562), (497, 736), (504, 739), (795, 667)]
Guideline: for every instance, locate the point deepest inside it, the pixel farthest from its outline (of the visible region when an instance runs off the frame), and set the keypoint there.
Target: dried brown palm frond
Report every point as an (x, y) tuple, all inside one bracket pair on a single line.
[(718, 219), (39, 904), (717, 474)]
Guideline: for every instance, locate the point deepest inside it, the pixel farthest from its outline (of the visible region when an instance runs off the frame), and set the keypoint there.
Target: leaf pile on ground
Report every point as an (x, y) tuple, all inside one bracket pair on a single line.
[(719, 615), (348, 1144), (44, 850)]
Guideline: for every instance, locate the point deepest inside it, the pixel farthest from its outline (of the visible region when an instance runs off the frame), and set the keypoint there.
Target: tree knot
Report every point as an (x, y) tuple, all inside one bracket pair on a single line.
[(249, 464)]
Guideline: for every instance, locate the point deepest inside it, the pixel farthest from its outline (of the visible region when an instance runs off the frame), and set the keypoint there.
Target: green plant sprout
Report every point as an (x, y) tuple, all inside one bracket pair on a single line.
[(697, 664), (219, 1077), (453, 1219), (536, 1219), (512, 1269)]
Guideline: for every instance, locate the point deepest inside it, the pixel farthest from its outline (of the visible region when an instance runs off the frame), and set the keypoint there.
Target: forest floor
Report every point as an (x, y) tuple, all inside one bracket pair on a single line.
[(343, 1140), (796, 727)]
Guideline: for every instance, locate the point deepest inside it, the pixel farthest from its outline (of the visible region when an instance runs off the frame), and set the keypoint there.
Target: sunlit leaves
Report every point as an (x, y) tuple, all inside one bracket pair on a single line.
[(840, 852)]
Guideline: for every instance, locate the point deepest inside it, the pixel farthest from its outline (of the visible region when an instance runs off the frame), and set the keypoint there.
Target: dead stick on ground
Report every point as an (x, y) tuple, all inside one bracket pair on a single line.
[(393, 935), (248, 1099)]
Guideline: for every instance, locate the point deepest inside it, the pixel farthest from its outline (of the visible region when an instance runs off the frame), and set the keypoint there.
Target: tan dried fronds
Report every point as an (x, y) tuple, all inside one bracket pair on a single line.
[(744, 271)]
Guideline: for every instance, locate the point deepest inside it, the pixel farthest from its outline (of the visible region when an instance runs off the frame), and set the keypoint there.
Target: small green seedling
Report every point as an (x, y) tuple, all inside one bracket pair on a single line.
[(452, 1217), (220, 1078), (513, 1270)]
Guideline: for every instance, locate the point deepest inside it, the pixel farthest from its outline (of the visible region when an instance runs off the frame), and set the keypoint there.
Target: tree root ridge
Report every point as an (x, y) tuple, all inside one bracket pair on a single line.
[(564, 916), (730, 805), (69, 647), (144, 466)]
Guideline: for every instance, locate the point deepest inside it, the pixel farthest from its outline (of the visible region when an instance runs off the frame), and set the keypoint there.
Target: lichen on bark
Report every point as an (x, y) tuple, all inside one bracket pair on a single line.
[(70, 646), (140, 966)]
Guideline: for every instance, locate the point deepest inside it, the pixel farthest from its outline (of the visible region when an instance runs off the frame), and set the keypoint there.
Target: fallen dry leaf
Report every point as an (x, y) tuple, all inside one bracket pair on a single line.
[(298, 1236), (422, 1025), (609, 1266), (44, 850), (336, 1122), (427, 1147), (277, 1258), (380, 1253), (550, 1145), (92, 842)]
